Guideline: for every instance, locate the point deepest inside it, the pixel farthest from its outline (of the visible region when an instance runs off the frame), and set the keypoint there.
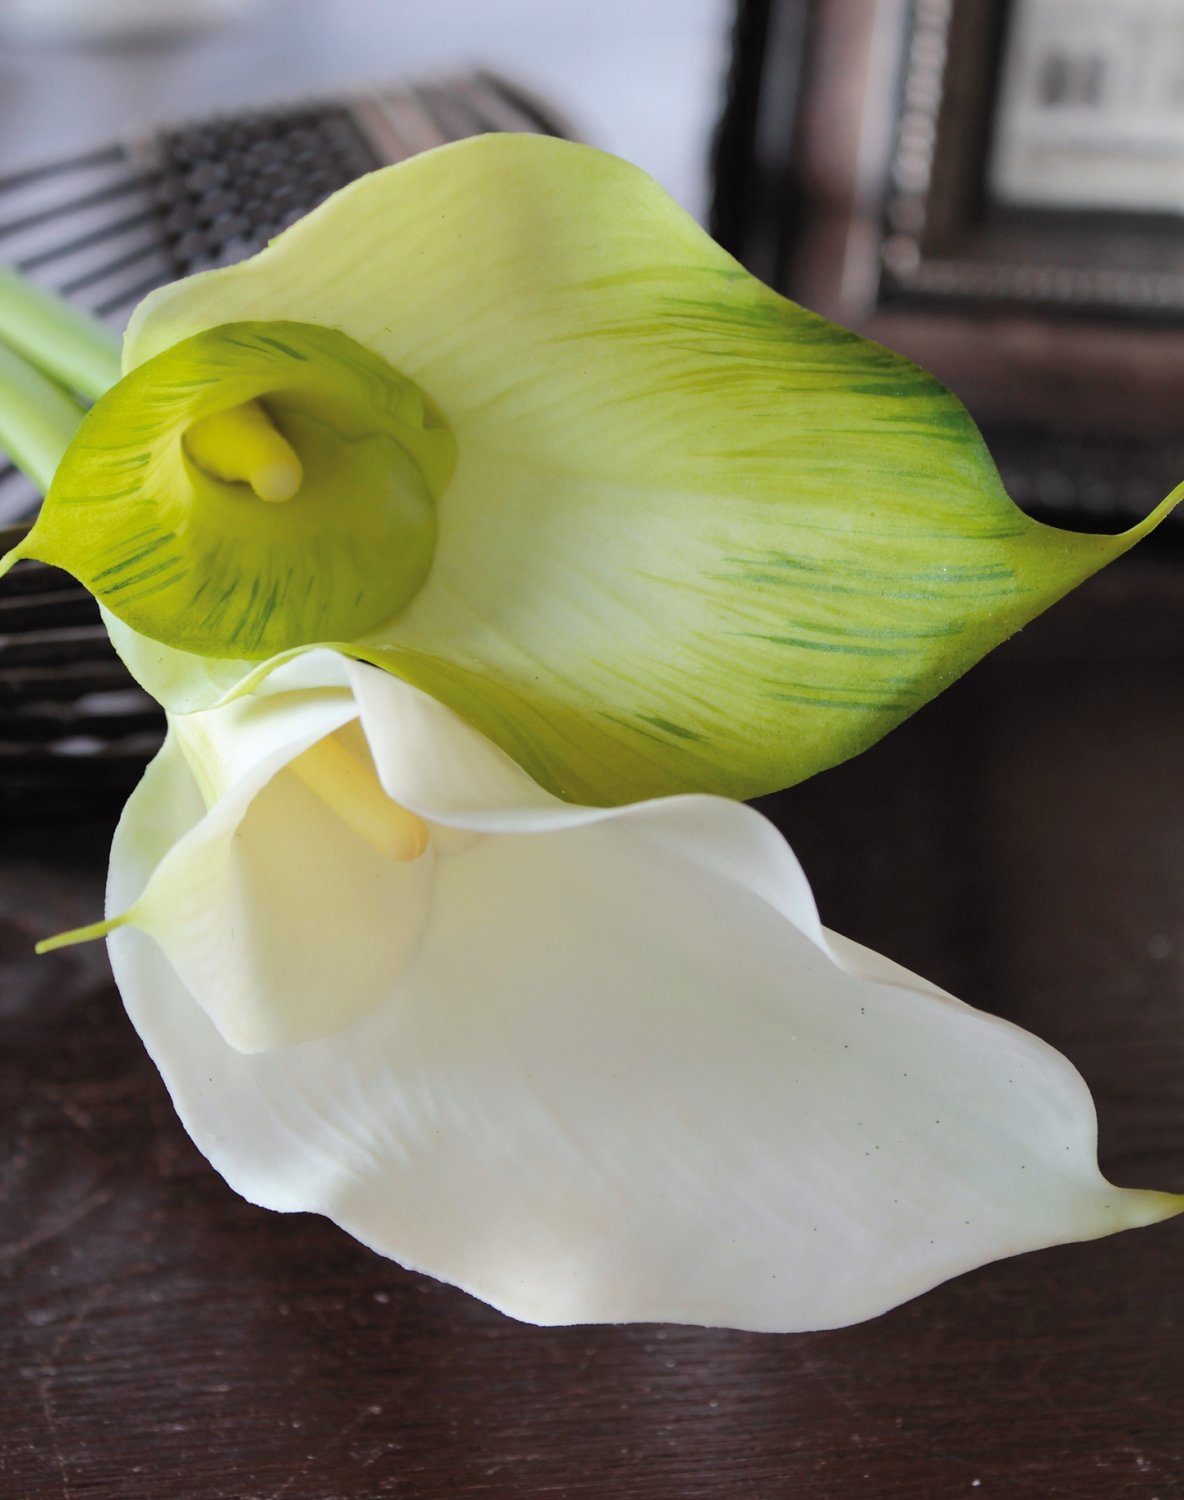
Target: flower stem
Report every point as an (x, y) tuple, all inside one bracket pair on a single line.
[(66, 342), (37, 418)]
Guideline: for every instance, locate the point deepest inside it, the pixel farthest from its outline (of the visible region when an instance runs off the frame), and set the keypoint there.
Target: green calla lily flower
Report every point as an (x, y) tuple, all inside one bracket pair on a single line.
[(505, 422)]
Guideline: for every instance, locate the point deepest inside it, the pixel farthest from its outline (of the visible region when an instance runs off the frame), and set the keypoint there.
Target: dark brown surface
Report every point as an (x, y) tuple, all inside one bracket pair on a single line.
[(1021, 842)]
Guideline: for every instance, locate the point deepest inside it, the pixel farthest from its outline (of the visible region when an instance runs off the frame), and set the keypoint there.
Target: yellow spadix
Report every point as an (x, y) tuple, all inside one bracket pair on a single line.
[(242, 443)]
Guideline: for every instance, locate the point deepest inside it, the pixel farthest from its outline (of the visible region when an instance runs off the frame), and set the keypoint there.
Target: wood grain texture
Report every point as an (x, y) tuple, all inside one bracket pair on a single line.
[(1021, 842)]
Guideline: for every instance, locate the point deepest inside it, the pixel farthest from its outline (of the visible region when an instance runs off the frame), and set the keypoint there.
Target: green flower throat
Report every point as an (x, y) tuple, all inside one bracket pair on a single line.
[(257, 487)]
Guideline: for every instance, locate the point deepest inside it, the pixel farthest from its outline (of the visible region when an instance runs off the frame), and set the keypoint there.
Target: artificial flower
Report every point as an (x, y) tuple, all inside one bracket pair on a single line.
[(589, 1064), (504, 421), (616, 521)]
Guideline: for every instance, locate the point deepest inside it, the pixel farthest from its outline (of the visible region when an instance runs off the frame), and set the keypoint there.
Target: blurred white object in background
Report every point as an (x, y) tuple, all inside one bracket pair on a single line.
[(1091, 109), (644, 80), (110, 20)]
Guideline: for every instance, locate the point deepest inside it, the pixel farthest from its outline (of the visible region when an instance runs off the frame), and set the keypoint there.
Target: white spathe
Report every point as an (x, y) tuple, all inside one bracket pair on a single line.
[(591, 1065)]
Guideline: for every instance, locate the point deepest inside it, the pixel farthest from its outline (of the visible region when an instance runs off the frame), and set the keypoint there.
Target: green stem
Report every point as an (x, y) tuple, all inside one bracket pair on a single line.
[(37, 418), (63, 340), (86, 934)]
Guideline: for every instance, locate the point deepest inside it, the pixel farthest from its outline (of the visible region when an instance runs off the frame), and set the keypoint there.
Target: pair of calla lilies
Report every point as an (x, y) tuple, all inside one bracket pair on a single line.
[(483, 537)]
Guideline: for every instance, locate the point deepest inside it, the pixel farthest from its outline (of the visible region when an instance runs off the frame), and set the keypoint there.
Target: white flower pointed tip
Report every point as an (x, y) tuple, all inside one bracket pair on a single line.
[(1138, 1207)]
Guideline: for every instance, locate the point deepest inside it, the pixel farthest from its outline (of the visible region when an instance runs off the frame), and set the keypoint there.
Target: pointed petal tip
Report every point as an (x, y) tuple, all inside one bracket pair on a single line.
[(16, 554), (1142, 1206), (1151, 521)]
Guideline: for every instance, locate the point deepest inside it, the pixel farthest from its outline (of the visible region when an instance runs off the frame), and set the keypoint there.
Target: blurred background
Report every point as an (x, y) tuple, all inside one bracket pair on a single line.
[(642, 78)]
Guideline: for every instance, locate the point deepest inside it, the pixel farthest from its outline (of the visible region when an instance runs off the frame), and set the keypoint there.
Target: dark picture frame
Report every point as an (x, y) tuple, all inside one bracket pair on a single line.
[(858, 168)]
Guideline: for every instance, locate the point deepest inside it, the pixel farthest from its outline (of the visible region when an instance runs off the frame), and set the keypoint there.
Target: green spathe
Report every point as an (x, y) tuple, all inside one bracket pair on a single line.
[(696, 537), (199, 561)]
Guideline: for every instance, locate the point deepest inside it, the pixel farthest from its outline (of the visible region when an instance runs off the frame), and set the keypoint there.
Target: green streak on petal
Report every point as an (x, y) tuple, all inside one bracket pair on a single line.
[(679, 731)]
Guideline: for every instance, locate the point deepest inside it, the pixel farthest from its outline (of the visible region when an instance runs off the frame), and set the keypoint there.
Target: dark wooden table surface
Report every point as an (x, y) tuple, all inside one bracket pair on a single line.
[(1021, 842)]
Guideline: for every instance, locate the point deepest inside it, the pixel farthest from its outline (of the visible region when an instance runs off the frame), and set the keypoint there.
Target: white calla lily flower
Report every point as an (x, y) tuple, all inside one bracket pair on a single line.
[(589, 1064)]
